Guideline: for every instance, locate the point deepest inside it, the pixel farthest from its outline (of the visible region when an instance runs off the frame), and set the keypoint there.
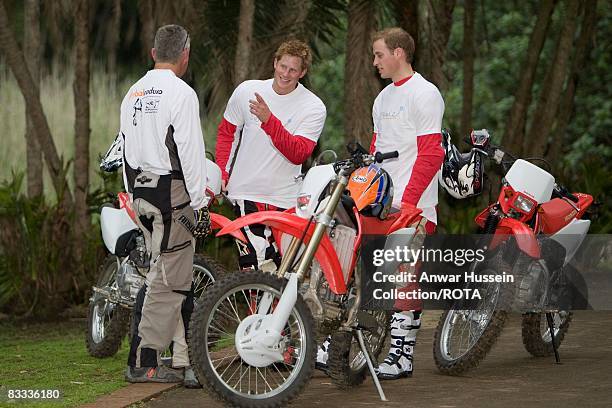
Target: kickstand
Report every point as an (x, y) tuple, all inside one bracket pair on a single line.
[(366, 354), (551, 327)]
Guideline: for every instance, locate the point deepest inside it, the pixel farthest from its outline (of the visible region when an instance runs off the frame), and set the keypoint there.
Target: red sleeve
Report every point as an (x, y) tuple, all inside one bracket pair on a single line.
[(429, 159), (225, 138), (295, 148), (373, 144)]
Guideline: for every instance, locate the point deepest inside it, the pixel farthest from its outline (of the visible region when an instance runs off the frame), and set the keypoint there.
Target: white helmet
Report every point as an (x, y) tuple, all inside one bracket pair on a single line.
[(462, 173), (113, 159)]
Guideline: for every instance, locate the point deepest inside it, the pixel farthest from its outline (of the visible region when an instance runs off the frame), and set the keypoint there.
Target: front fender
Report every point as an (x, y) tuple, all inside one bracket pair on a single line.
[(218, 221), (293, 225), (524, 236)]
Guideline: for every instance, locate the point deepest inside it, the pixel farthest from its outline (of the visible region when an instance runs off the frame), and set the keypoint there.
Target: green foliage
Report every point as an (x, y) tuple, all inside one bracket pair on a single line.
[(37, 254)]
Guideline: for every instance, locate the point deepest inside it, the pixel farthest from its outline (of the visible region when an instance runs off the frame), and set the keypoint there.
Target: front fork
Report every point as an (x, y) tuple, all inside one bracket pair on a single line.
[(278, 320)]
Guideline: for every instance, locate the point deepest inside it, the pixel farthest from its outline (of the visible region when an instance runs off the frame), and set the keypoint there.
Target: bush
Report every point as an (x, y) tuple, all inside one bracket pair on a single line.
[(38, 277)]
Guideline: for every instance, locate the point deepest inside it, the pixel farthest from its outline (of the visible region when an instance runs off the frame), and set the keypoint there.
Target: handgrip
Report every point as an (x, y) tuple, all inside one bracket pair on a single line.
[(379, 157)]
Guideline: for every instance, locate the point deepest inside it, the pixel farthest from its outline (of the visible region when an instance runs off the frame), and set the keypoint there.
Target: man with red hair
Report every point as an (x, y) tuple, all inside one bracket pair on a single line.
[(268, 130)]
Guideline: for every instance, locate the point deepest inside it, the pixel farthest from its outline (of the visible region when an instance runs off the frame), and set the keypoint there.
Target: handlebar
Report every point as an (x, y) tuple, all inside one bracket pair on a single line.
[(562, 192), (379, 157)]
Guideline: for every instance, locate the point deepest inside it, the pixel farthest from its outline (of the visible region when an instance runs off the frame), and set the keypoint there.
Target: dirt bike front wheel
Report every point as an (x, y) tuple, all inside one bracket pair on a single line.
[(463, 338), (212, 343)]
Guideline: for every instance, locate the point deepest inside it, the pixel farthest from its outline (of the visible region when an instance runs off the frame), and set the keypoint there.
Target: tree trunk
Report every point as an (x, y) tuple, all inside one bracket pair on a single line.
[(407, 13), (566, 110), (16, 61), (360, 79), (435, 22), (113, 37), (468, 66), (550, 96), (81, 128), (147, 35), (245, 37), (292, 25), (515, 128), (33, 51)]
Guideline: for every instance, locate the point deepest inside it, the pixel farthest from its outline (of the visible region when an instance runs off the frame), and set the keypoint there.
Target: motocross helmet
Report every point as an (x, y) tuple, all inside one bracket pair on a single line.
[(462, 173), (372, 190), (113, 159)]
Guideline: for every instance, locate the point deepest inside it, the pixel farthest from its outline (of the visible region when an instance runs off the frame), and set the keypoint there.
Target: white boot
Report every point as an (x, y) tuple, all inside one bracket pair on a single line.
[(321, 363), (404, 329)]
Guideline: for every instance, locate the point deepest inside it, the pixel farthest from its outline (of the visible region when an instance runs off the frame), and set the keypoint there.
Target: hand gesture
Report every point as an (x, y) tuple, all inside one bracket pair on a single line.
[(259, 108)]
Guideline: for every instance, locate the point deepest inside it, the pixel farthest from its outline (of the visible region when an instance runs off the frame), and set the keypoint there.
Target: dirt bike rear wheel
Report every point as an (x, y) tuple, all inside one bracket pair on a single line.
[(536, 334), (216, 362), (346, 362), (463, 338), (107, 322)]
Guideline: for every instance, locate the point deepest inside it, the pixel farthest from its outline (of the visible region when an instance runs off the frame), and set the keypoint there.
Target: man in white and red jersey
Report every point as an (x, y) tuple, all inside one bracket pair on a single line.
[(268, 130), (407, 117)]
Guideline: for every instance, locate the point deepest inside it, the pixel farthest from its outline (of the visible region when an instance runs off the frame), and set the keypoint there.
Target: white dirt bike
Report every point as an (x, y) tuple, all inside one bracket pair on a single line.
[(119, 280)]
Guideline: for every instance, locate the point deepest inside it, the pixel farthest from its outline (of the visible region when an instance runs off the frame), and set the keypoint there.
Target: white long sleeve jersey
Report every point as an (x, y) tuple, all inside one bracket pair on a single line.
[(160, 123)]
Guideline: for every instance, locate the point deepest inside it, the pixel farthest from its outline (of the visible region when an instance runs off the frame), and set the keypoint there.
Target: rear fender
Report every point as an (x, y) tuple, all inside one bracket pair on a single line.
[(293, 225)]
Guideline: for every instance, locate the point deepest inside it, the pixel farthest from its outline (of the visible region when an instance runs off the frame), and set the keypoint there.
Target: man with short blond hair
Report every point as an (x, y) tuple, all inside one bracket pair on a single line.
[(268, 130)]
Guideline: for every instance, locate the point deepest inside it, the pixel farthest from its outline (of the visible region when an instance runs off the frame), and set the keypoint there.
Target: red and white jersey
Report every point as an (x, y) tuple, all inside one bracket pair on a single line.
[(160, 122), (260, 172), (401, 114)]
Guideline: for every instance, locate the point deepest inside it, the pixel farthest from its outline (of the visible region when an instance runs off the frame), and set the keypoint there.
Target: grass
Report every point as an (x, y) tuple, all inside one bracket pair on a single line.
[(57, 98), (53, 356)]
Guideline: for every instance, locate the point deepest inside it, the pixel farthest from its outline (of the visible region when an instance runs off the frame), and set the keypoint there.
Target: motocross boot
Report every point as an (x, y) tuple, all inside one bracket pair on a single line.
[(404, 329), (321, 363)]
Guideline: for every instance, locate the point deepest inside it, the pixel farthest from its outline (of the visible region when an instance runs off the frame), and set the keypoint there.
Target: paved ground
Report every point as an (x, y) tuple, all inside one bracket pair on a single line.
[(509, 377)]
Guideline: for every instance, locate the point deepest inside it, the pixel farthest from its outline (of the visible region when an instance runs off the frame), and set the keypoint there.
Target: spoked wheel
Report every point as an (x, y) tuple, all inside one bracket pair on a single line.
[(229, 312), (536, 334), (347, 364), (107, 322), (464, 337), (206, 271)]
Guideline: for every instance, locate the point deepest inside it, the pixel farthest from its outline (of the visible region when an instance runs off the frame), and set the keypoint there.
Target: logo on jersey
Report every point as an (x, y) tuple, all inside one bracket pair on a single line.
[(146, 92), (137, 110), (151, 106), (394, 114), (360, 179)]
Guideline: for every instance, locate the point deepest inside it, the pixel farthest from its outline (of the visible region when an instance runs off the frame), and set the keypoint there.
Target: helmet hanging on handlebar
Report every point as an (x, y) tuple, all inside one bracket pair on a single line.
[(462, 173), (372, 190)]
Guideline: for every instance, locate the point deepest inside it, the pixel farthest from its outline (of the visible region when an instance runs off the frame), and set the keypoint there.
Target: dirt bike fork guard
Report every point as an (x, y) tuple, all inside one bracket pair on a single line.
[(551, 327), (367, 355)]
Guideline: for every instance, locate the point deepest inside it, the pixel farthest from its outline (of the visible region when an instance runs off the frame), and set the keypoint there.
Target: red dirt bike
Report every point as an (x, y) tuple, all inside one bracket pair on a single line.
[(533, 231), (253, 336)]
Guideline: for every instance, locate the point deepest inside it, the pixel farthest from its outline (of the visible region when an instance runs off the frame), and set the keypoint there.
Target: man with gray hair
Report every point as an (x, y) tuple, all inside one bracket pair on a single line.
[(165, 171)]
